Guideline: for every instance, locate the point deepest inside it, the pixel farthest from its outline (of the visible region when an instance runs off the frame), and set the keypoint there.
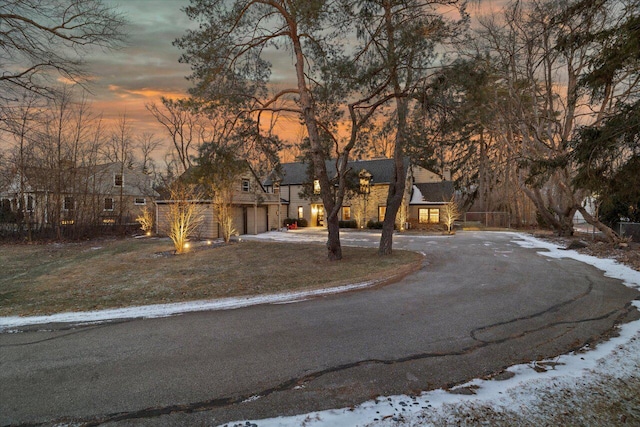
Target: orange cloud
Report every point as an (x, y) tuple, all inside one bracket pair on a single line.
[(146, 93)]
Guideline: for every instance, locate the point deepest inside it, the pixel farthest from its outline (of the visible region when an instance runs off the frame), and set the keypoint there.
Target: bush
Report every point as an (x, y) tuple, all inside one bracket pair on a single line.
[(376, 225), (350, 223), (302, 222), (414, 224)]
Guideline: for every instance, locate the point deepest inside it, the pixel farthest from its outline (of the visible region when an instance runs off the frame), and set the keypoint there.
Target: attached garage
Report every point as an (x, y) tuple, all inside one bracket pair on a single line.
[(251, 219)]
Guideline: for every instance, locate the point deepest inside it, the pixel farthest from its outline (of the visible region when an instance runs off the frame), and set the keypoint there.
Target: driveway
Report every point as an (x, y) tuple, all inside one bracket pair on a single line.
[(480, 303)]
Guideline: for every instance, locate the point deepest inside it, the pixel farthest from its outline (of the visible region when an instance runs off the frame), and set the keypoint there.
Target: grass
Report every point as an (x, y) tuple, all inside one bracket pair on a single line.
[(54, 278)]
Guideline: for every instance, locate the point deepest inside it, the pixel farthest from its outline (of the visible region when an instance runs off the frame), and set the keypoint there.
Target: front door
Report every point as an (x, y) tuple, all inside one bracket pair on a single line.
[(320, 218)]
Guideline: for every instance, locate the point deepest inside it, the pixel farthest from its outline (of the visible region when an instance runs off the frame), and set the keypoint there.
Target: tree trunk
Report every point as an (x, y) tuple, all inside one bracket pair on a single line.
[(397, 184), (333, 241), (394, 201), (319, 167), (398, 179), (607, 231)]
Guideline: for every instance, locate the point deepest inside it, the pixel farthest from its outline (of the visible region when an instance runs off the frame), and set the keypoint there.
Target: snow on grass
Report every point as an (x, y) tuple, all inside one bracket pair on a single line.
[(165, 310), (572, 388)]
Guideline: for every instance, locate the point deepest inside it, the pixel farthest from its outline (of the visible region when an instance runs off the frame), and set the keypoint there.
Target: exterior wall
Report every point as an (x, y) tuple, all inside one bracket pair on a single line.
[(363, 209), (295, 201), (275, 218), (88, 187), (414, 212), (422, 175), (256, 220), (207, 230)]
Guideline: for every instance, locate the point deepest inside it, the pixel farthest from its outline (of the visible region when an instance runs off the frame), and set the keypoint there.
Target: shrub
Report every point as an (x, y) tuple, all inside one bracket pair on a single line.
[(350, 223), (302, 222), (377, 225)]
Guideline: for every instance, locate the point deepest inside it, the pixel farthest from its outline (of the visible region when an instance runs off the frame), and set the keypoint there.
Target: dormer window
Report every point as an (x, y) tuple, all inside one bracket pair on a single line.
[(246, 185), (118, 180), (316, 186)]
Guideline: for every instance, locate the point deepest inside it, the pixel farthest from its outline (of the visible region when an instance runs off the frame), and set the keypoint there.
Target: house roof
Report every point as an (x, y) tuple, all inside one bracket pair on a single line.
[(432, 192), (381, 171)]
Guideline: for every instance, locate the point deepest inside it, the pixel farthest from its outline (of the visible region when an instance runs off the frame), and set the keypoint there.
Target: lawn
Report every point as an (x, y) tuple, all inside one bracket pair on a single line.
[(100, 274)]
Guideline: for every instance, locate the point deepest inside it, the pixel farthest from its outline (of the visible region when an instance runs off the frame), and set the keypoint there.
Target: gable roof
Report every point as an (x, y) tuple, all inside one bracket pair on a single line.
[(381, 171), (432, 192)]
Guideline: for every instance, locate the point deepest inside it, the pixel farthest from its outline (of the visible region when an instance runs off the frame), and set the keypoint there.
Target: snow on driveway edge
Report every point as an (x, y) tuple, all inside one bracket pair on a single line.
[(165, 310)]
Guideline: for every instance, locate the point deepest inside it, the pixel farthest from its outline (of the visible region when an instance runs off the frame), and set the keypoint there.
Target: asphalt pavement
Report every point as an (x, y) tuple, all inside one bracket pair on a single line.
[(479, 304)]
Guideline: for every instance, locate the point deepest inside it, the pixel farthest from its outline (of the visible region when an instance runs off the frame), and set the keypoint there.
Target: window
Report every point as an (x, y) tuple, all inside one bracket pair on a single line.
[(30, 203), (108, 203), (118, 180), (140, 201), (300, 212), (68, 203), (316, 186), (429, 216), (434, 216), (246, 185), (423, 216), (381, 211), (346, 213)]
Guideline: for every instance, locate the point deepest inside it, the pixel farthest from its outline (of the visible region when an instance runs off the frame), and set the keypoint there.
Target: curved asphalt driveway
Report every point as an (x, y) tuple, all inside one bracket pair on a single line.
[(479, 304)]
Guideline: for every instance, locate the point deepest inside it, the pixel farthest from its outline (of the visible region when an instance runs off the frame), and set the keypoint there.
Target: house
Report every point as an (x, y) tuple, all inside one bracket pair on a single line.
[(427, 201), (103, 194), (253, 209), (367, 199)]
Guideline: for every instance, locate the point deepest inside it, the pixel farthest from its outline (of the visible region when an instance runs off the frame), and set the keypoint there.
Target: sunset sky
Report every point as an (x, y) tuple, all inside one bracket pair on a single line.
[(147, 66)]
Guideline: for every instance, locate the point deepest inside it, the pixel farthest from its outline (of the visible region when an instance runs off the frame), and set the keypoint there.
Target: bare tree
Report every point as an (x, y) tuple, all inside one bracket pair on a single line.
[(21, 121), (219, 170), (147, 143), (450, 213), (184, 127), (120, 150), (185, 214), (541, 51), (42, 41)]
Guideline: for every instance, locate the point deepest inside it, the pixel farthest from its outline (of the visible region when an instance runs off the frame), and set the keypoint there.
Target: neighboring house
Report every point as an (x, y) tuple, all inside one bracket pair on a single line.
[(88, 195), (427, 201), (254, 210), (368, 200)]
